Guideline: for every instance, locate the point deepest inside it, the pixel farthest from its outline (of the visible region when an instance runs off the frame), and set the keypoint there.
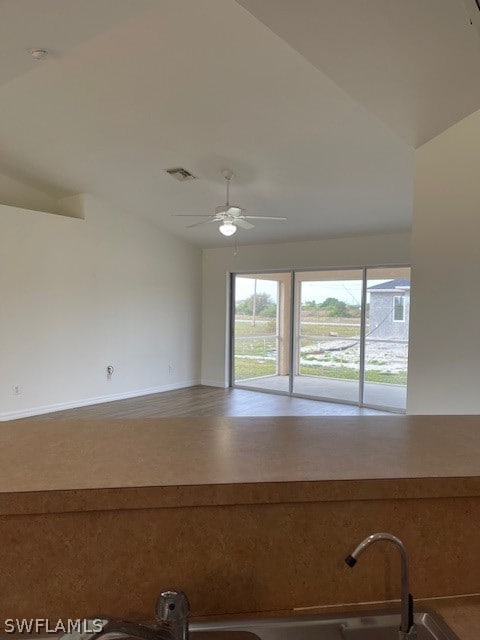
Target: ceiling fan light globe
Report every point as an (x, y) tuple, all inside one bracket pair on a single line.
[(227, 228)]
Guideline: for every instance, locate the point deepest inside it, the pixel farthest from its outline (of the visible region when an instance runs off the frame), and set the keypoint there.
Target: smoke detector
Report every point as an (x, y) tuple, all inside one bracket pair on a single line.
[(38, 54), (181, 174)]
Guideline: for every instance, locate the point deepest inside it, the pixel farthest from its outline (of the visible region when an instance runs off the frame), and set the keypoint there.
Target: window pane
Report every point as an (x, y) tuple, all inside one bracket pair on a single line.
[(399, 309), (386, 337), (328, 334), (261, 331)]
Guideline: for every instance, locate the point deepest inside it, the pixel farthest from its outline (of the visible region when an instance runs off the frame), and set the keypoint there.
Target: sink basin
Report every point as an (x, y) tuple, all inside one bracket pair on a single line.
[(219, 634), (371, 625)]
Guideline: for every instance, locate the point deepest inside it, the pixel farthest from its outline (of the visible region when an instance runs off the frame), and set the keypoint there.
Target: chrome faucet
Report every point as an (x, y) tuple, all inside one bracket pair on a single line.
[(172, 612), (407, 628)]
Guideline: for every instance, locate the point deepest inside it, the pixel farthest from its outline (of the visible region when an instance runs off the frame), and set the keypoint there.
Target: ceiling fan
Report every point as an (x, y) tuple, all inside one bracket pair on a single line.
[(228, 215)]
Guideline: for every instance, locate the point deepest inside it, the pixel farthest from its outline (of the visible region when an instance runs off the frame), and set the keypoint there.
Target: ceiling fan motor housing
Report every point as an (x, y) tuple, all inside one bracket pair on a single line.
[(228, 210)]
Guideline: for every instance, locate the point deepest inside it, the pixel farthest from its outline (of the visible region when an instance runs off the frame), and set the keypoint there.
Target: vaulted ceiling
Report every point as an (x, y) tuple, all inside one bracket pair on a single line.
[(315, 106)]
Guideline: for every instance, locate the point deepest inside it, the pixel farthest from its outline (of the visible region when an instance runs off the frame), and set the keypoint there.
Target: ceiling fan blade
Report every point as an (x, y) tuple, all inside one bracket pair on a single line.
[(263, 218), (244, 224), (228, 215), (197, 224)]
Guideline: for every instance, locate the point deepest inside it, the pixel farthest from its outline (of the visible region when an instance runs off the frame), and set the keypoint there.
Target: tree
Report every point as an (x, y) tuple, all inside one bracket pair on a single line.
[(311, 305), (264, 306), (335, 308)]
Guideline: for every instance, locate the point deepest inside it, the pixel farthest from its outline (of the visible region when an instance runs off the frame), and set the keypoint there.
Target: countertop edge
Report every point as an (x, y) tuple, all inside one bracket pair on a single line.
[(204, 495)]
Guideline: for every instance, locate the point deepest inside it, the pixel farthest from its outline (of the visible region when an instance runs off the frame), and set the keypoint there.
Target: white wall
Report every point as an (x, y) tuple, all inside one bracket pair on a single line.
[(14, 193), (77, 295), (17, 194), (218, 263), (444, 372)]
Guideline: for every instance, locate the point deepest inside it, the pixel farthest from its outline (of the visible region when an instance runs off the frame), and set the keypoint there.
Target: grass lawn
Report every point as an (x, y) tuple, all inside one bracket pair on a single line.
[(345, 373), (311, 336), (248, 368), (268, 327), (257, 347), (326, 330), (262, 327)]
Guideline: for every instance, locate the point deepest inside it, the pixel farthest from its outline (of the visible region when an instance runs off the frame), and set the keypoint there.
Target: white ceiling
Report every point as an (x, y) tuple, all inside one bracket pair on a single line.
[(414, 63), (136, 86)]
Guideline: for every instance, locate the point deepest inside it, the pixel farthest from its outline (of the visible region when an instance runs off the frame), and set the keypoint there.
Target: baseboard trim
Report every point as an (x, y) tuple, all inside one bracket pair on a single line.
[(214, 383), (51, 408)]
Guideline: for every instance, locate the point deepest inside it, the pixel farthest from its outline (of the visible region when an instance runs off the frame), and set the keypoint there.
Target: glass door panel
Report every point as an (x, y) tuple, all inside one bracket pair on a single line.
[(386, 337), (261, 331), (327, 334)]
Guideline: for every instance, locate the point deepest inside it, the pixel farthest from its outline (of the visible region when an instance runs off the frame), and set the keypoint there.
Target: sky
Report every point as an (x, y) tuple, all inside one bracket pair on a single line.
[(349, 291)]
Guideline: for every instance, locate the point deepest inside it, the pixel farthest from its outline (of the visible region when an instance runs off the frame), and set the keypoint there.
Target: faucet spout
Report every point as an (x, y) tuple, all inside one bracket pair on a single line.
[(406, 624)]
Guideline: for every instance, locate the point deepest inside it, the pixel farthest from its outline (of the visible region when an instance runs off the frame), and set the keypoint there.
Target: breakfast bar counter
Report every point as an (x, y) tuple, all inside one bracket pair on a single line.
[(213, 461), (246, 514)]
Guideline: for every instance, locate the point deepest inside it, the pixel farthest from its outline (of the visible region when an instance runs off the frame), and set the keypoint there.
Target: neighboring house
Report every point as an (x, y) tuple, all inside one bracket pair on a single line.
[(389, 310)]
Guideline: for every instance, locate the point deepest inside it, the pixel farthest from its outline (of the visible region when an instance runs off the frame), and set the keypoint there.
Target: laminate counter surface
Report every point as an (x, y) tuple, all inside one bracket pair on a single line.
[(92, 454), (462, 615)]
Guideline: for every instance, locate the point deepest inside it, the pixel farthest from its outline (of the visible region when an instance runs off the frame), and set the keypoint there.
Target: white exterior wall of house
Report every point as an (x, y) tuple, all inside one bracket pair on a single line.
[(77, 295), (381, 315)]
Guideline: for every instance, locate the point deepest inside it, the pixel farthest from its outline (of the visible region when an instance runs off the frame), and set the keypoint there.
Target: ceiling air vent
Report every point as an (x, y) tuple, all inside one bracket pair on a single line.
[(181, 174)]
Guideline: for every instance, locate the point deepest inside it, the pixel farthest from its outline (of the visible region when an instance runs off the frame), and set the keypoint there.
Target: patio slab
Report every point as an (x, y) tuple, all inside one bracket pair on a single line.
[(377, 394)]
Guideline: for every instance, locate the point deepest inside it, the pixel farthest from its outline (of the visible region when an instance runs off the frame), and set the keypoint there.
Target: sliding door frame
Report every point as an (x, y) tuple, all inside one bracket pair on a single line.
[(294, 309), (231, 331)]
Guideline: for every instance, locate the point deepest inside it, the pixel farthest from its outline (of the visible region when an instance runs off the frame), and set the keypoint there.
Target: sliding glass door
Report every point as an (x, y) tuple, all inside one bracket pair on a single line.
[(339, 335)]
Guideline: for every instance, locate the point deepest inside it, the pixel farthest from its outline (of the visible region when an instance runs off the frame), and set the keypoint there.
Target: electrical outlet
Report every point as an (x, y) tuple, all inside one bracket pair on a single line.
[(17, 390), (110, 371), (170, 369)]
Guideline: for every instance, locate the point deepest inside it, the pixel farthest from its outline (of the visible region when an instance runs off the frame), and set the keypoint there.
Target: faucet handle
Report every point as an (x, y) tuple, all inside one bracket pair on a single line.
[(172, 606)]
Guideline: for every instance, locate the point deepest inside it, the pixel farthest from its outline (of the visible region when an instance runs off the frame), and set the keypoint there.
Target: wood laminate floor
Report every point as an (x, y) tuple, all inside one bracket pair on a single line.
[(210, 401)]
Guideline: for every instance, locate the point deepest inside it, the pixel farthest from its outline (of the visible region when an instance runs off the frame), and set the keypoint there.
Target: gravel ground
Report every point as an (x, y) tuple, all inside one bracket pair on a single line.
[(382, 356)]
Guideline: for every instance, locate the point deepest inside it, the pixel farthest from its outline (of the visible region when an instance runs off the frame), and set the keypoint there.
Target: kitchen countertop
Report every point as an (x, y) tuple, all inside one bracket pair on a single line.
[(461, 614), (189, 461)]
